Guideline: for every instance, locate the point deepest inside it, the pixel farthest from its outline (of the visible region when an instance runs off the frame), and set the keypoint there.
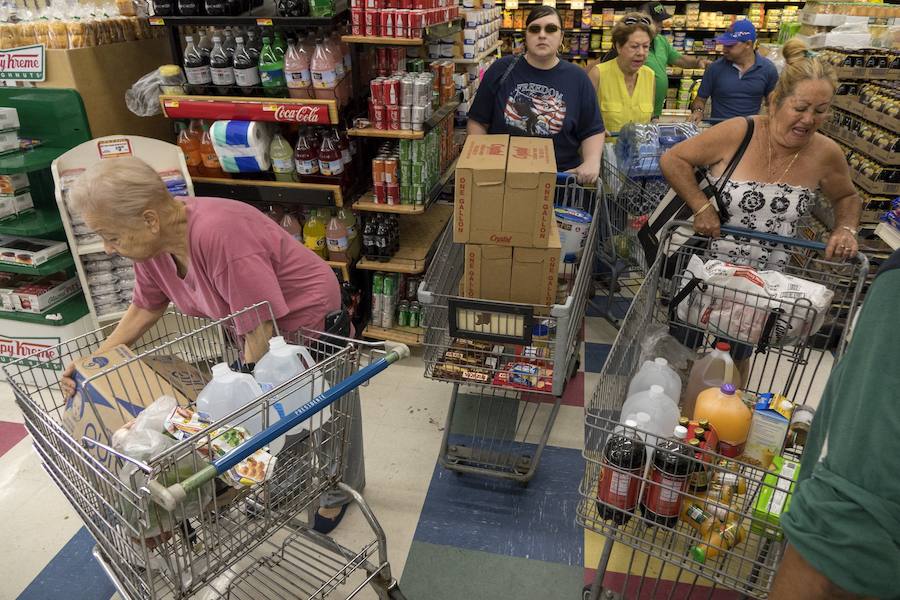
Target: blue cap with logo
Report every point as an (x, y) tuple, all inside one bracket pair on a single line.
[(740, 31)]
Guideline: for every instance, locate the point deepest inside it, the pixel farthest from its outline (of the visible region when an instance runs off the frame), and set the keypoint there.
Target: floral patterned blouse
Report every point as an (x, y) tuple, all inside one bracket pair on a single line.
[(767, 207)]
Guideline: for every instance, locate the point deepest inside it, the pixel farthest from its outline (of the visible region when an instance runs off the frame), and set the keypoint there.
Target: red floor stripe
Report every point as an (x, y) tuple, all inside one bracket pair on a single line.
[(683, 591), (10, 435)]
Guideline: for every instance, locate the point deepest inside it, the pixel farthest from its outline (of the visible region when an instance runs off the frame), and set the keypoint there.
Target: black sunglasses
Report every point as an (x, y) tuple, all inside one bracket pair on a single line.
[(636, 20), (549, 28)]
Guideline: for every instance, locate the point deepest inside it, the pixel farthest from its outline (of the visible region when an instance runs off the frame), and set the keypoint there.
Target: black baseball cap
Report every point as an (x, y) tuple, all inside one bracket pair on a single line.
[(656, 11)]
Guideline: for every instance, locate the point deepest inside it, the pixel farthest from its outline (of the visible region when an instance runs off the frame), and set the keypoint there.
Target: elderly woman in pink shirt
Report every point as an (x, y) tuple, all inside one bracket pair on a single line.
[(210, 257)]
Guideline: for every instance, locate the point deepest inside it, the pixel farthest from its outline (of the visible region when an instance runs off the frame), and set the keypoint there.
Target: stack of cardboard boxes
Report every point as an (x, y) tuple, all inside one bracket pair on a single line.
[(504, 215)]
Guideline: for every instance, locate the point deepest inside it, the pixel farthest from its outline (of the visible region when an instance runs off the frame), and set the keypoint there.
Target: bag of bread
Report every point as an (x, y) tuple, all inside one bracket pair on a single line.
[(42, 32), (9, 36), (59, 35), (75, 29), (25, 33)]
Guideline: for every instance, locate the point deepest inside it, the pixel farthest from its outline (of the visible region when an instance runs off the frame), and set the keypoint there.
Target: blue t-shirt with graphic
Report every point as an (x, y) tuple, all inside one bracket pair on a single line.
[(558, 103)]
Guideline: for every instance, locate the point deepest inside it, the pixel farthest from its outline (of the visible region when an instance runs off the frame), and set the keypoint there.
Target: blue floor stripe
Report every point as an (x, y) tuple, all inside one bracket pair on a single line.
[(594, 356), (598, 306), (72, 574)]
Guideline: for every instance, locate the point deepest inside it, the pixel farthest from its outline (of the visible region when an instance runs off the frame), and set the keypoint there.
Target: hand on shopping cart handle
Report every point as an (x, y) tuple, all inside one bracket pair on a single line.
[(707, 223), (67, 382), (585, 174)]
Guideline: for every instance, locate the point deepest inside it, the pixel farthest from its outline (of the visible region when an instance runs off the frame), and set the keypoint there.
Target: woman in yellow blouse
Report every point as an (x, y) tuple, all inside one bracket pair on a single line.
[(626, 86)]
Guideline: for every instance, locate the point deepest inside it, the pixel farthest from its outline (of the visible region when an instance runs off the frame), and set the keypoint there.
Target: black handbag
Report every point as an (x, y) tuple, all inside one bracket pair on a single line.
[(673, 208)]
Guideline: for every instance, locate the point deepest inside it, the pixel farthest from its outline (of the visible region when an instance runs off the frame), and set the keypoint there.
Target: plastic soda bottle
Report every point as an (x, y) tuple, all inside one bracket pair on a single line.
[(196, 68), (296, 72), (291, 224), (221, 67), (246, 68), (271, 70), (323, 67), (211, 165), (279, 46), (314, 235), (331, 162), (282, 159), (349, 220), (622, 466), (306, 154), (190, 147), (337, 239)]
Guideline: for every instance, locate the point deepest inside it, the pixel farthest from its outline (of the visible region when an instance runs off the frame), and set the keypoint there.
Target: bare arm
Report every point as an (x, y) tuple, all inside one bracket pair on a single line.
[(256, 343), (475, 128), (798, 580), (591, 152), (709, 148), (839, 190)]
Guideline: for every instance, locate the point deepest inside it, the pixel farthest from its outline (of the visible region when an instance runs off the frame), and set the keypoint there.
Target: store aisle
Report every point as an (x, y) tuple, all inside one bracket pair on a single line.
[(449, 536)]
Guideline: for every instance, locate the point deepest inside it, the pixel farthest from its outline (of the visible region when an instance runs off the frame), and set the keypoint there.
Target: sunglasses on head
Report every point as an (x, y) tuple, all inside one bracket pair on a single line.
[(636, 20), (549, 28)]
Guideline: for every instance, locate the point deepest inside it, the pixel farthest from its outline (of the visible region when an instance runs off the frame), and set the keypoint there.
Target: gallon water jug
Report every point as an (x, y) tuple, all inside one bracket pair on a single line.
[(656, 372), (227, 392), (728, 414), (663, 411), (282, 363), (714, 369)]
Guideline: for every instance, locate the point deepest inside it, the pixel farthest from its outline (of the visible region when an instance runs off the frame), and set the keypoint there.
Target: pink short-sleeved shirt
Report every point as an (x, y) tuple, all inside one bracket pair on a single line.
[(239, 257)]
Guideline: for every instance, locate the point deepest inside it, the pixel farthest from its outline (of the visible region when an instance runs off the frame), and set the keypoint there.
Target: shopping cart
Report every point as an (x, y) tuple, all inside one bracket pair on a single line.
[(493, 427), (167, 527), (662, 555)]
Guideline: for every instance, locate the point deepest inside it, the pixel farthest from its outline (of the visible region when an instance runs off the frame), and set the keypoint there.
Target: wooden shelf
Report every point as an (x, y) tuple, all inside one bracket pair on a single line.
[(285, 188), (861, 73), (273, 110), (366, 204), (851, 105), (411, 336), (879, 154), (417, 237), (258, 20), (874, 187), (383, 41), (478, 58), (436, 118), (341, 266)]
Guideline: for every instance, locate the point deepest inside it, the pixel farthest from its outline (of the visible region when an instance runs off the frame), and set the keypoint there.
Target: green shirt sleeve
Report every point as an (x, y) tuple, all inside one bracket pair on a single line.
[(672, 55), (844, 518)]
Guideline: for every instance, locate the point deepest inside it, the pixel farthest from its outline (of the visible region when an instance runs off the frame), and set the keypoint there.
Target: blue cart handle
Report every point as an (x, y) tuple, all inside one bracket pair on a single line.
[(170, 497), (772, 238)]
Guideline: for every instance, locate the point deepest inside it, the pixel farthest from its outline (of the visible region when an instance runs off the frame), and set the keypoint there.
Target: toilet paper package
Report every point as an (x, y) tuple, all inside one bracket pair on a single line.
[(242, 146)]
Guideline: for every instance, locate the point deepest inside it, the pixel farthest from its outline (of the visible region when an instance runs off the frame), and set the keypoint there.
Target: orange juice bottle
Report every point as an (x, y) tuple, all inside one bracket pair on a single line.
[(191, 149), (728, 414), (721, 538), (209, 158)]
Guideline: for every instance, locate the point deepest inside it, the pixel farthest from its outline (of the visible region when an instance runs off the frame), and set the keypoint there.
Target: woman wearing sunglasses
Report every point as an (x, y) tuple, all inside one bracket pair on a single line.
[(625, 87), (539, 95)]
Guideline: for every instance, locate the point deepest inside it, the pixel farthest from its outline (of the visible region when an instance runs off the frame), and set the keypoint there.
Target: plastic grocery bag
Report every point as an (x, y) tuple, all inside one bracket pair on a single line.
[(658, 343)]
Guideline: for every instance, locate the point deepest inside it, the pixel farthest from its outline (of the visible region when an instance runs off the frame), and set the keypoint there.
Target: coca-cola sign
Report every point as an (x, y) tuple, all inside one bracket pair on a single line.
[(185, 107), (306, 113), (23, 64)]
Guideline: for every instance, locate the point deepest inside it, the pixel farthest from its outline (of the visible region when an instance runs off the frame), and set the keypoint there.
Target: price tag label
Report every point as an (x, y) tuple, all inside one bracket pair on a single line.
[(264, 22), (577, 5), (157, 21), (114, 148), (512, 4), (269, 107), (550, 3), (170, 104)]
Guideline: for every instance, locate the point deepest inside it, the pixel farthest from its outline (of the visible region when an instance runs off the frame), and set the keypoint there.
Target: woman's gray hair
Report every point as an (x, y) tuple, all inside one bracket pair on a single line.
[(118, 189)]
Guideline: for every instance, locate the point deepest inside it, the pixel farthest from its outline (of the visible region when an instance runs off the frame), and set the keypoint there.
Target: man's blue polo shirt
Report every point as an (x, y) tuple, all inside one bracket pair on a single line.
[(734, 94)]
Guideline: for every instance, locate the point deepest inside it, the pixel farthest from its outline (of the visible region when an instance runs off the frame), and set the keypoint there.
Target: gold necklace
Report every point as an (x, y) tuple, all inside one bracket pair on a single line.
[(769, 163)]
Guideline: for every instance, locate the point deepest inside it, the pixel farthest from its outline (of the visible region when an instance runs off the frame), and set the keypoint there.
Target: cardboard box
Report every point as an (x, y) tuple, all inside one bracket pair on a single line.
[(183, 376), (521, 275), (504, 191), (14, 204), (41, 294), (28, 251), (103, 404)]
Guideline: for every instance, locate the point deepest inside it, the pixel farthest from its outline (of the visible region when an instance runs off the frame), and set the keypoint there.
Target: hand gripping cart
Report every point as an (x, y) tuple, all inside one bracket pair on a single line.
[(168, 527), (705, 521)]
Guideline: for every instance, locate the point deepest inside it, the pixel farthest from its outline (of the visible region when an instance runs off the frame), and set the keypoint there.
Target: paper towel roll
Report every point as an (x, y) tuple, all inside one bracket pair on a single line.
[(242, 146)]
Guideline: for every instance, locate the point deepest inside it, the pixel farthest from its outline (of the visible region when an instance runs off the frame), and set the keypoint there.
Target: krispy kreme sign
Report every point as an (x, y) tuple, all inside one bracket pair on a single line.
[(42, 352), (23, 64)]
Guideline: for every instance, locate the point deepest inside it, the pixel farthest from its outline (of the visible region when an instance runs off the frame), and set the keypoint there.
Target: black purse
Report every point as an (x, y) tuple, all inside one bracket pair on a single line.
[(673, 208)]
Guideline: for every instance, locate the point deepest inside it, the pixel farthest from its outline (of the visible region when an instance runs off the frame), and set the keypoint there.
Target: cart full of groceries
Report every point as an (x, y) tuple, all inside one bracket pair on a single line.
[(694, 433), (193, 477)]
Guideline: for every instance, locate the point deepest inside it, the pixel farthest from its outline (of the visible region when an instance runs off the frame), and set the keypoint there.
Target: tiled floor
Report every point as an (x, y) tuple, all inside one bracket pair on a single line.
[(448, 536)]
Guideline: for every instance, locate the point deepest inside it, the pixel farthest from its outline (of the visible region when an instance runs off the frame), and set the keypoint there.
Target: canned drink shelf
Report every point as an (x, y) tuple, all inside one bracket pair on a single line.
[(477, 59), (430, 31), (417, 237), (273, 110), (411, 336), (436, 118)]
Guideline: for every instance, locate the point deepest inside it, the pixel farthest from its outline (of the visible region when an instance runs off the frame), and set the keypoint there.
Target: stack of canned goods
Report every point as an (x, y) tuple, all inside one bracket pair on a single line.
[(443, 84), (394, 301), (401, 102), (405, 172)]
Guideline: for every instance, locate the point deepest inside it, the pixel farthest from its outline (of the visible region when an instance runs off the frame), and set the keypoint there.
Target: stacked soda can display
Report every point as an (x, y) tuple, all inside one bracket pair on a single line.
[(394, 301), (405, 172), (399, 18), (443, 82), (401, 102)]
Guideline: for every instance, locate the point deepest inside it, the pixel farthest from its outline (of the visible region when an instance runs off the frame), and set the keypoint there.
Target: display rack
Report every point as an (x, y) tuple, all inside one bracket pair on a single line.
[(431, 31), (417, 237)]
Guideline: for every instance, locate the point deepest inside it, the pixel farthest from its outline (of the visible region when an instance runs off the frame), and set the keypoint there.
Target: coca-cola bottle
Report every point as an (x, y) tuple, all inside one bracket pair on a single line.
[(196, 68), (306, 155), (370, 244), (205, 44), (163, 8), (246, 71), (216, 8), (394, 225), (330, 161), (382, 241), (190, 8), (229, 43), (293, 8), (622, 465), (254, 45), (221, 68), (672, 466)]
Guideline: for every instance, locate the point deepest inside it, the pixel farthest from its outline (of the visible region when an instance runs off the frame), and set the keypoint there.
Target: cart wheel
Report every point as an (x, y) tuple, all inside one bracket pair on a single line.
[(395, 593), (586, 593)]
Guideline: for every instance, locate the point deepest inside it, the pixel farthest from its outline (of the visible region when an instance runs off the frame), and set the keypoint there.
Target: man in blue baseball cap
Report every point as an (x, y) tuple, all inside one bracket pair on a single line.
[(740, 81)]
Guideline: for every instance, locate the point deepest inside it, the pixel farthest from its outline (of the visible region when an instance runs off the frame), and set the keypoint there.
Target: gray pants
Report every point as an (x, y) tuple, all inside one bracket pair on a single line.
[(354, 460)]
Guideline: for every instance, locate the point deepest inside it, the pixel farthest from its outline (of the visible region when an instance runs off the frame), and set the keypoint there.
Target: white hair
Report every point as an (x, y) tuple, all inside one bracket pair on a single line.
[(117, 188)]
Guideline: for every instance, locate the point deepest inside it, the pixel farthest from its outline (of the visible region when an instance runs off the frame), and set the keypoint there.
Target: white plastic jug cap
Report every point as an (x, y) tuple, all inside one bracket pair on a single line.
[(277, 342), (630, 423), (681, 432), (221, 369), (643, 417), (661, 361), (657, 390)]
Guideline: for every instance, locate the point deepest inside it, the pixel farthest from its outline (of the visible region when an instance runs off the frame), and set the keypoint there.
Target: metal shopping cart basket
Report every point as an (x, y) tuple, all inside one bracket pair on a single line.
[(497, 425), (168, 527), (732, 538)]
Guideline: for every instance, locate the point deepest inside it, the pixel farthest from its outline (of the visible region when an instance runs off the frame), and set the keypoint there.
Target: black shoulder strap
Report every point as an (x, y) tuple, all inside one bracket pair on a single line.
[(509, 69), (733, 163)]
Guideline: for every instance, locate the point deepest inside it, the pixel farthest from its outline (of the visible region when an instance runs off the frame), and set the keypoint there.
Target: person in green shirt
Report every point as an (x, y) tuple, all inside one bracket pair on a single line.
[(843, 524), (662, 54)]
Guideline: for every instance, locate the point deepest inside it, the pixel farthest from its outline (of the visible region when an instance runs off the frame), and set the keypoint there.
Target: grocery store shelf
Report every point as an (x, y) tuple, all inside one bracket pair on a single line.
[(57, 263), (275, 110), (436, 118), (859, 109), (30, 160), (854, 141), (417, 237), (366, 204), (34, 223), (860, 73), (411, 336), (888, 235), (341, 266), (270, 192), (874, 187), (439, 30), (472, 61), (260, 21), (94, 248), (65, 313)]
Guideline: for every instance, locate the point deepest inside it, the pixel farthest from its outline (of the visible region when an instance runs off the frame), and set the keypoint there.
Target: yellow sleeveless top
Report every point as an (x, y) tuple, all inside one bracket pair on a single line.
[(616, 106)]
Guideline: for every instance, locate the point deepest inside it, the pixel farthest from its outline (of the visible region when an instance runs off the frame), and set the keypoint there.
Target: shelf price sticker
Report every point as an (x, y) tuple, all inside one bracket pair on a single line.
[(264, 22), (577, 5), (114, 148), (157, 21), (551, 3), (511, 4)]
